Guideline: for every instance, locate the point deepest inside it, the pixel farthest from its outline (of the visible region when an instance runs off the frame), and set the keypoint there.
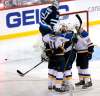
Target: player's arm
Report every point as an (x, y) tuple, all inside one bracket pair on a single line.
[(90, 45), (45, 14)]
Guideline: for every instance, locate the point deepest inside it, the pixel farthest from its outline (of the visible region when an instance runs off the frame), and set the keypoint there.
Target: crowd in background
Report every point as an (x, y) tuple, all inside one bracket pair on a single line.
[(17, 3)]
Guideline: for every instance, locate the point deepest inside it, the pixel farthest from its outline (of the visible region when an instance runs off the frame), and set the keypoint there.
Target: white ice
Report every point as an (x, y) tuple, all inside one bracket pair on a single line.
[(24, 53)]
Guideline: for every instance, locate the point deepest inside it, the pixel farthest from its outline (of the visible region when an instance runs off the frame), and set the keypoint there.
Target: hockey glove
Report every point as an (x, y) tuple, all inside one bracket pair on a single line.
[(90, 50), (44, 57), (75, 39), (89, 56), (48, 52)]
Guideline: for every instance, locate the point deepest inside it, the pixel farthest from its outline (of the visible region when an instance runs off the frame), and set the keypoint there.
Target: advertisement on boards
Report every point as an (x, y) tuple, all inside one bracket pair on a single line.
[(26, 19)]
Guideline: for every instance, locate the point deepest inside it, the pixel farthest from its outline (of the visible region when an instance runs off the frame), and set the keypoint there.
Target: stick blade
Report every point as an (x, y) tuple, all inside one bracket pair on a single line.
[(20, 73)]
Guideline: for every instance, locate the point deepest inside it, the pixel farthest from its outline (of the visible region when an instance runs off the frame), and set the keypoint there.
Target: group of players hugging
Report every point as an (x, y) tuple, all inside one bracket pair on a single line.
[(63, 47)]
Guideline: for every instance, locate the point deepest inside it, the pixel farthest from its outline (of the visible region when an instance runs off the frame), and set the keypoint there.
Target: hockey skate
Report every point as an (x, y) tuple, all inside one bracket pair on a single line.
[(51, 87), (62, 89), (82, 82), (66, 87), (87, 85)]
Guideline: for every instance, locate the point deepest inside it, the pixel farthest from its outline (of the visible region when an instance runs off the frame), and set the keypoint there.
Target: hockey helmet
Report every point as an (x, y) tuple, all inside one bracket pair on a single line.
[(55, 3)]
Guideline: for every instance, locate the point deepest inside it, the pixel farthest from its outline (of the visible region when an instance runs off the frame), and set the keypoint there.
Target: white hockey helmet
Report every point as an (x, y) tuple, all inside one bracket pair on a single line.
[(60, 28), (63, 27), (55, 3)]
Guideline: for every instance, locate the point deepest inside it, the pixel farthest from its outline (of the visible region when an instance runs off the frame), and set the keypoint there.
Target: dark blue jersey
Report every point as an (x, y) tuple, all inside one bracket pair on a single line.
[(45, 29), (50, 16)]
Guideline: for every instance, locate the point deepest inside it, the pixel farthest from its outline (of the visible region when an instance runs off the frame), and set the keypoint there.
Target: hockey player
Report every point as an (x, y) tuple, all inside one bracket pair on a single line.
[(56, 61), (62, 41), (56, 54), (60, 63), (69, 54), (50, 16), (84, 48), (61, 56)]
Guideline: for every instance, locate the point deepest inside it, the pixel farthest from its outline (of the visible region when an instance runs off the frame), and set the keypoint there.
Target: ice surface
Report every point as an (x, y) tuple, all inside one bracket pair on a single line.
[(23, 54)]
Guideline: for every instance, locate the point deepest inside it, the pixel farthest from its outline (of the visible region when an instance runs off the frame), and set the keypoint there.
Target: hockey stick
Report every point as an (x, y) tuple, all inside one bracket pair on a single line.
[(80, 21), (23, 74)]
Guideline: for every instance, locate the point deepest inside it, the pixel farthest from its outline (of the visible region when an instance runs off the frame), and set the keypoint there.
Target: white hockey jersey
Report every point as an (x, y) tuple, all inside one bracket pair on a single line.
[(62, 41), (83, 42), (54, 41)]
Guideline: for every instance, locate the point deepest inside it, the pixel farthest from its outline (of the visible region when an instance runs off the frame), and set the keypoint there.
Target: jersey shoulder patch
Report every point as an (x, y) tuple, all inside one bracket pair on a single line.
[(69, 35), (84, 34)]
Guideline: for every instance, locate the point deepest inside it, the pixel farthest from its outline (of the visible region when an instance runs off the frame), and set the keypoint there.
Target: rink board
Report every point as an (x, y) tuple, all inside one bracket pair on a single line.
[(22, 22)]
